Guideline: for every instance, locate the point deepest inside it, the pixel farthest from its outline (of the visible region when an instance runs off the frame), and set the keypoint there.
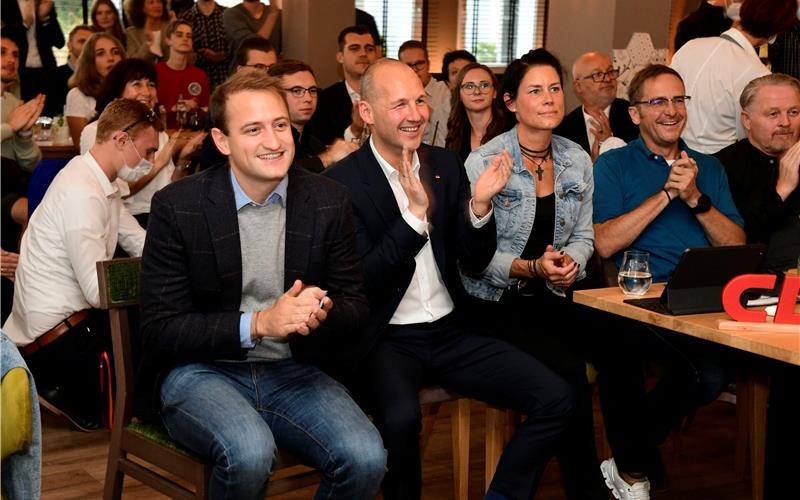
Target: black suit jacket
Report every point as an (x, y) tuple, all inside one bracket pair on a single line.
[(333, 114), (387, 244), (191, 283), (48, 34), (573, 127)]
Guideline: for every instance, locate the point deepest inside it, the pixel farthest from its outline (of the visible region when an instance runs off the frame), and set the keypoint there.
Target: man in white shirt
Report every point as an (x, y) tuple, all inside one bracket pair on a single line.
[(79, 222), (414, 220), (717, 69), (414, 54)]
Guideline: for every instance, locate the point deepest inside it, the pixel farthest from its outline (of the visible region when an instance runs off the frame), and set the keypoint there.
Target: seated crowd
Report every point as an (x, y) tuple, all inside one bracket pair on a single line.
[(441, 243)]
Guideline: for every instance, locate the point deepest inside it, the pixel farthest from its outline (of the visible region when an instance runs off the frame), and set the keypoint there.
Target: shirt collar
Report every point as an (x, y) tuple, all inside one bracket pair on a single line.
[(386, 167), (241, 199), (109, 188), (354, 96), (639, 144), (586, 116)]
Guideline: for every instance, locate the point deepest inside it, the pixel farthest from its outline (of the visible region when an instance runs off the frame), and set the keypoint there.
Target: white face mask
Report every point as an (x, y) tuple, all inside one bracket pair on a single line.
[(732, 10), (136, 172)]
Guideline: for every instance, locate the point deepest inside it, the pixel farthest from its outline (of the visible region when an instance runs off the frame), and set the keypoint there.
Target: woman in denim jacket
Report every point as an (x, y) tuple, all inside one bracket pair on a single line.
[(544, 238)]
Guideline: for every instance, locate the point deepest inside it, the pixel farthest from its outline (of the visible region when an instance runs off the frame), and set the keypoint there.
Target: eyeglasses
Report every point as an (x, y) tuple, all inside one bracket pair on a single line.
[(662, 102), (149, 117), (599, 76), (418, 66), (299, 91), (483, 87), (258, 66)]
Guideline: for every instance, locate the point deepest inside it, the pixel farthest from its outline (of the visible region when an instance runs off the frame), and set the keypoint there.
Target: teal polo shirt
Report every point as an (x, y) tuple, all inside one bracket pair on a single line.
[(625, 177)]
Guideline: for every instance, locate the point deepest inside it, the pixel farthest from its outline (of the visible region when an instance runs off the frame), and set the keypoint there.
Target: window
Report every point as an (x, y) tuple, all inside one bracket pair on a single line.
[(499, 31), (397, 20)]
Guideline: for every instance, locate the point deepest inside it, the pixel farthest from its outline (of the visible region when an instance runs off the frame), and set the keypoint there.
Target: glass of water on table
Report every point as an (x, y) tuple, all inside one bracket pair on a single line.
[(634, 276)]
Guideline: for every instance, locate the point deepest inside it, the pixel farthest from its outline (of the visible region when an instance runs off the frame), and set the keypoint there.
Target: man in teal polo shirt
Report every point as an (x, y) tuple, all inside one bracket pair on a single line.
[(656, 195)]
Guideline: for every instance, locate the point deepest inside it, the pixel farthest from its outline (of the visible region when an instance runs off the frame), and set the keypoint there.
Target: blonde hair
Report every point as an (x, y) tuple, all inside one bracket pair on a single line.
[(127, 115)]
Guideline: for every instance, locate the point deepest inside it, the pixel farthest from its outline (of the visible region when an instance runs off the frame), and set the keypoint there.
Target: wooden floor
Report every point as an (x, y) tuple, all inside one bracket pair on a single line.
[(699, 464)]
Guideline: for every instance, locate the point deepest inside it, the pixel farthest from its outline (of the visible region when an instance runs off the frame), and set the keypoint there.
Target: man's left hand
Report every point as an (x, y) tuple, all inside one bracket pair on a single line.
[(788, 171)]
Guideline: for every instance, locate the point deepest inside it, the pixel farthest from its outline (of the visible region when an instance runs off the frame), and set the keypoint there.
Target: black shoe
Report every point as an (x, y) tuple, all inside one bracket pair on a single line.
[(53, 399)]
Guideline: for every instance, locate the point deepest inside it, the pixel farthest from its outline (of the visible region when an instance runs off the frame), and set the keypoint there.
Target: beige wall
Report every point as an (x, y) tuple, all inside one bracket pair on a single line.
[(578, 26), (575, 27), (310, 28)]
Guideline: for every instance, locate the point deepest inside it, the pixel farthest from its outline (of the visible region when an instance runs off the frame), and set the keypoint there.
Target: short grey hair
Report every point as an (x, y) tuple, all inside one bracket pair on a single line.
[(752, 88)]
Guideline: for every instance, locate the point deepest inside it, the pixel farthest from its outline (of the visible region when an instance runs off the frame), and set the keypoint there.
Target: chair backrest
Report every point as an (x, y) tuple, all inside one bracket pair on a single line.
[(44, 173), (118, 281)]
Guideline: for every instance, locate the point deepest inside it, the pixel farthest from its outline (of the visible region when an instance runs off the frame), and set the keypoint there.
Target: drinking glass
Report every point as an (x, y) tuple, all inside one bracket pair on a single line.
[(634, 276), (43, 129)]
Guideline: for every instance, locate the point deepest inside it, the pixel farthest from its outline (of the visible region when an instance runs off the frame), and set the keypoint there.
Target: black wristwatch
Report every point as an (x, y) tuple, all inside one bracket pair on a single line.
[(703, 205)]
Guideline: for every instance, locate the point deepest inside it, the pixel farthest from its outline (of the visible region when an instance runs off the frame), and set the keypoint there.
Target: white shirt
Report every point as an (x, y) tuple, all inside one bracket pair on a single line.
[(78, 223), (426, 298), (139, 202), (79, 104), (354, 96), (439, 100), (715, 71)]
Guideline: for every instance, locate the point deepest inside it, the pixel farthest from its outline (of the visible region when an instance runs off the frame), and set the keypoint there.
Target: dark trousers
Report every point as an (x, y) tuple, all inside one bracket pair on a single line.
[(72, 364), (545, 326), (783, 433), (410, 356), (637, 421)]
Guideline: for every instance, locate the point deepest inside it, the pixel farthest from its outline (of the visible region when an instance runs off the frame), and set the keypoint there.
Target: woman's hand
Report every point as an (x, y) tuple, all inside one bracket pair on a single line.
[(557, 267)]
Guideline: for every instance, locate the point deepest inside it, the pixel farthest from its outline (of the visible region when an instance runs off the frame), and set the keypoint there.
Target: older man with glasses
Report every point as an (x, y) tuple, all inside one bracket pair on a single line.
[(601, 115)]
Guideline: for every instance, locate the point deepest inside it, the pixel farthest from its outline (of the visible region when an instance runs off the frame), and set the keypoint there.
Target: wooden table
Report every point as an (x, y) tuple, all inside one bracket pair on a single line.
[(781, 346), (52, 151), (752, 389)]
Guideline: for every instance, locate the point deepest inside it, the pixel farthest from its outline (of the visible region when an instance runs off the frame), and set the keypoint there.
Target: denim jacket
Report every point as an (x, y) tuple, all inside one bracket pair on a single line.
[(22, 472), (515, 209)]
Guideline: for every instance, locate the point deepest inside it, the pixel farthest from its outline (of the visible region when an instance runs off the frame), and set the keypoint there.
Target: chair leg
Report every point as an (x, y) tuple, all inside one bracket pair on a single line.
[(459, 422), (429, 413), (495, 439), (112, 489)]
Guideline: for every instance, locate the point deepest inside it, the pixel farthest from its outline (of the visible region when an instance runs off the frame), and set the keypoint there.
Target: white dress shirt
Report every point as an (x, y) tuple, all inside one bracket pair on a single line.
[(426, 298), (139, 202), (439, 100), (78, 223), (715, 71)]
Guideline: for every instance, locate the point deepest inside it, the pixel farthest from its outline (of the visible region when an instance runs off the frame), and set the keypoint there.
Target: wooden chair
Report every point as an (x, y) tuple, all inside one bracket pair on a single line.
[(431, 399), (118, 281)]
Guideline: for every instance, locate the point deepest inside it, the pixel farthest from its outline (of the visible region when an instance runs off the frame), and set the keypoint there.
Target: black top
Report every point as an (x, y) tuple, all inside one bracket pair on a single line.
[(767, 219), (541, 236)]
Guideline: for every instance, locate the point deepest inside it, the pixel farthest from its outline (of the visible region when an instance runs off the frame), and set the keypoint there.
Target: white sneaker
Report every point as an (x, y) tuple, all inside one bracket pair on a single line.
[(619, 487)]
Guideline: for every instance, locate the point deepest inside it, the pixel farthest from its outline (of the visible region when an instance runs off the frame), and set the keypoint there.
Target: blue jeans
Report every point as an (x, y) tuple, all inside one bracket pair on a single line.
[(239, 414)]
